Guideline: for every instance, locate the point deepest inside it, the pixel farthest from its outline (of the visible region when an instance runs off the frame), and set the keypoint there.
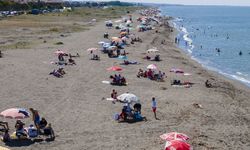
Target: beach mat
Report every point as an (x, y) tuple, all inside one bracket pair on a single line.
[(106, 82)]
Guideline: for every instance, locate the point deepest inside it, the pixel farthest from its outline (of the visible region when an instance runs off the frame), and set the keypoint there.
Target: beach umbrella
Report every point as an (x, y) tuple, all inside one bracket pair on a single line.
[(118, 21), (58, 52), (116, 39), (128, 98), (15, 113), (152, 50), (123, 33), (174, 136), (177, 145), (152, 67), (122, 57), (124, 38), (114, 68), (92, 49)]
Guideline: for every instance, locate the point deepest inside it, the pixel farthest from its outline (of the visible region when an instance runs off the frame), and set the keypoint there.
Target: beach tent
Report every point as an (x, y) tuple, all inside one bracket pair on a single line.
[(15, 113), (174, 136), (177, 145), (128, 98)]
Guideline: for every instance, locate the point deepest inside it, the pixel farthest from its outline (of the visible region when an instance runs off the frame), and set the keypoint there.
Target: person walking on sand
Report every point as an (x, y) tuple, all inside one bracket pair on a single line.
[(154, 107)]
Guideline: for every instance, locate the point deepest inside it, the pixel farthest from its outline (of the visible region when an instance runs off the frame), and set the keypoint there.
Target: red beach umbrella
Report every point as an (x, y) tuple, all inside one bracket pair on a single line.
[(15, 113), (174, 136), (177, 145), (115, 68)]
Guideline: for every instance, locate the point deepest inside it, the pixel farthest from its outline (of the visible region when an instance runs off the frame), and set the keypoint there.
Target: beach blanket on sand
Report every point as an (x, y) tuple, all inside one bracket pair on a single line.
[(182, 86), (110, 99), (106, 82)]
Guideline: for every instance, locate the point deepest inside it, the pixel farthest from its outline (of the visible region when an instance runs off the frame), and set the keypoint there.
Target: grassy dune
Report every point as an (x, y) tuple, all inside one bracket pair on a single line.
[(22, 31)]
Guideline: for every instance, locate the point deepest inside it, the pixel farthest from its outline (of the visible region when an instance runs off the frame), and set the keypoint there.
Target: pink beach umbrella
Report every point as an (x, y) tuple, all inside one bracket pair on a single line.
[(115, 68), (174, 136), (152, 67), (177, 145), (92, 49), (15, 113)]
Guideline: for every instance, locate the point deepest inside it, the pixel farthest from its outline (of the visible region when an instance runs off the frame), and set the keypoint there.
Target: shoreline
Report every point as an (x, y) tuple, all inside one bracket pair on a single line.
[(232, 76), (82, 120)]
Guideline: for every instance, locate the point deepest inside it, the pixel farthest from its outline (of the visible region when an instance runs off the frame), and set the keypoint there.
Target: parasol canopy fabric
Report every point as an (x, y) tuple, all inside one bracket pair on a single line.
[(128, 98), (15, 113)]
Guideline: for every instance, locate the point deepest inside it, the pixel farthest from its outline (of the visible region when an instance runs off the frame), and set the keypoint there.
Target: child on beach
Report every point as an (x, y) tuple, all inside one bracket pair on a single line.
[(114, 94), (154, 106)]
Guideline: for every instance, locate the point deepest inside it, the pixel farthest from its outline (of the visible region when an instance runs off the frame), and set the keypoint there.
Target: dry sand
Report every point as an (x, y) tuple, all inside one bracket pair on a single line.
[(82, 120)]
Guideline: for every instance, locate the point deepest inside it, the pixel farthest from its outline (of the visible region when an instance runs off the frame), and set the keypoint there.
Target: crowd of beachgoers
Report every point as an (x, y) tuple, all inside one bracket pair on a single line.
[(113, 47), (132, 109)]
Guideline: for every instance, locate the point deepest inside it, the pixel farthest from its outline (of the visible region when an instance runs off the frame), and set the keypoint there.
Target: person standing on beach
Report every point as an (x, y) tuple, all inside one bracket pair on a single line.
[(154, 106), (35, 117)]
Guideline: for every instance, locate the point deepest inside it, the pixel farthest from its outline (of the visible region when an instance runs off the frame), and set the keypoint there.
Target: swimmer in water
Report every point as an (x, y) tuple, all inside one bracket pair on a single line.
[(240, 53)]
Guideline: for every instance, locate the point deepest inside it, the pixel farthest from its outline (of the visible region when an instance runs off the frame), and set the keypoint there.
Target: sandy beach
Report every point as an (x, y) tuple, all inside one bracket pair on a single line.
[(83, 119)]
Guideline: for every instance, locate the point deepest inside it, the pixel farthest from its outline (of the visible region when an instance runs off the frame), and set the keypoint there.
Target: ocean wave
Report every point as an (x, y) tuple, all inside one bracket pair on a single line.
[(238, 76)]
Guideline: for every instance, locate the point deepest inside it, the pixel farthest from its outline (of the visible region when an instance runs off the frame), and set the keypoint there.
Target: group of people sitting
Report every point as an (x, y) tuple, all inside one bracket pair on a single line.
[(58, 73), (151, 75), (118, 80), (40, 127), (133, 40), (61, 60), (130, 115), (156, 58)]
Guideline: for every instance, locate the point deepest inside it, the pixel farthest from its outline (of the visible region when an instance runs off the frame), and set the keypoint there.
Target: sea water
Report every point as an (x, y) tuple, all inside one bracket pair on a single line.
[(215, 36)]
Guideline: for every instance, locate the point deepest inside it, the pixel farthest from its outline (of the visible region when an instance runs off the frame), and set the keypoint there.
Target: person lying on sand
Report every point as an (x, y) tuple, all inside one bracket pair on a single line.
[(58, 73), (126, 62)]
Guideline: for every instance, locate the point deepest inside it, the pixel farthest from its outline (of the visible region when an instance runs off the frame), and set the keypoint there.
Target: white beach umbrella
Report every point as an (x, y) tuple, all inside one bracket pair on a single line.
[(152, 50), (128, 98), (152, 67)]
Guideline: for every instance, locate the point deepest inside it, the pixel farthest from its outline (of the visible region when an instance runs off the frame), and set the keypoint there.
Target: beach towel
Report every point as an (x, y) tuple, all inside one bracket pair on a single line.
[(110, 99), (182, 86), (106, 82)]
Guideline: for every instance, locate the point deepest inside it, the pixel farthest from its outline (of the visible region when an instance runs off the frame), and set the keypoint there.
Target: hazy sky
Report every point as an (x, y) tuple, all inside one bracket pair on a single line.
[(196, 2)]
